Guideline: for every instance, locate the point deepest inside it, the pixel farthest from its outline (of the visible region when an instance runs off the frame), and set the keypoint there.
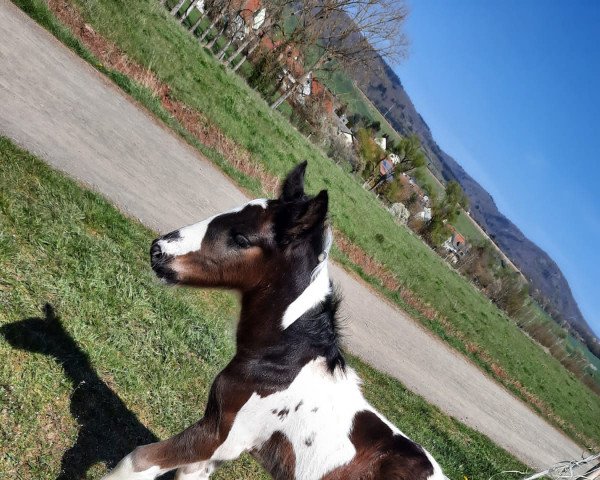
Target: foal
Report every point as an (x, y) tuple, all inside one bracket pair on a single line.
[(287, 396)]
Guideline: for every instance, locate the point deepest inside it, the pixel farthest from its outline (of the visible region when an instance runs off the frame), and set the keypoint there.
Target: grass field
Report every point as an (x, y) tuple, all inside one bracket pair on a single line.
[(345, 89), (464, 224), (131, 359), (146, 33)]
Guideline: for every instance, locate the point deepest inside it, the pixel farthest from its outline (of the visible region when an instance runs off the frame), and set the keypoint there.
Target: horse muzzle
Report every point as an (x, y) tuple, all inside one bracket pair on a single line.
[(160, 263)]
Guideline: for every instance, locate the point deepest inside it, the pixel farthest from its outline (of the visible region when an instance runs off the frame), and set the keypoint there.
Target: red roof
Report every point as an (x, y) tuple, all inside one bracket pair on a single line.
[(456, 237), (293, 60), (291, 56), (253, 5), (319, 90), (459, 238), (267, 42)]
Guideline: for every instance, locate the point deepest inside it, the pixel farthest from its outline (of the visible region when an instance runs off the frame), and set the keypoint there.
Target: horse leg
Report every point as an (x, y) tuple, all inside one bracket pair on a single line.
[(196, 471), (194, 446)]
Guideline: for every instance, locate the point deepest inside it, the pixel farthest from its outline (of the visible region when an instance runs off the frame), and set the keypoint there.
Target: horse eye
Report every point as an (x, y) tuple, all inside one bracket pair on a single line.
[(242, 241)]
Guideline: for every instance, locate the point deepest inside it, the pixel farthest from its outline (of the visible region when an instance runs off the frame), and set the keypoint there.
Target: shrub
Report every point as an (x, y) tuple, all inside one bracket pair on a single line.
[(369, 151), (340, 152)]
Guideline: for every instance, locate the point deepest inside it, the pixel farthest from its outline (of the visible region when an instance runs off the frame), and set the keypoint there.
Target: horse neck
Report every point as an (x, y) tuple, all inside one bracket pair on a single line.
[(263, 310)]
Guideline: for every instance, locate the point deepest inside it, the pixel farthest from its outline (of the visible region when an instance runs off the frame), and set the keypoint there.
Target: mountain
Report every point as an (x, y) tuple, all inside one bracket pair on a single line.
[(383, 87)]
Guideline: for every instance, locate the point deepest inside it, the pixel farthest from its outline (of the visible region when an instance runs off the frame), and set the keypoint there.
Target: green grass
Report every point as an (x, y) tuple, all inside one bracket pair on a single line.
[(157, 348), (428, 180), (464, 224), (149, 36), (345, 89)]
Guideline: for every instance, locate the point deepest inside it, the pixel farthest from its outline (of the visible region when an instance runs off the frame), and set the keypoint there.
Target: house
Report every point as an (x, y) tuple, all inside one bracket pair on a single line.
[(395, 159), (306, 88), (455, 246), (321, 93), (259, 19), (251, 15), (455, 242), (424, 214), (382, 142), (198, 5), (342, 130)]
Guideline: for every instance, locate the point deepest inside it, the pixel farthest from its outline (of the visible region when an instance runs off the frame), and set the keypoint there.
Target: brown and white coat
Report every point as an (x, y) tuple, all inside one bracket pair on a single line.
[(287, 396)]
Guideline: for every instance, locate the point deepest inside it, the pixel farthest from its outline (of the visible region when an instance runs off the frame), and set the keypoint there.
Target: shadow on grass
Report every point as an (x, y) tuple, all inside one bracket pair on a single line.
[(108, 430)]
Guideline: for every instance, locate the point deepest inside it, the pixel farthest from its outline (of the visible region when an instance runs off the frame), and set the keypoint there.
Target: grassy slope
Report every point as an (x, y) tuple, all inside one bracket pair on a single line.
[(143, 30), (158, 348), (464, 224), (339, 83)]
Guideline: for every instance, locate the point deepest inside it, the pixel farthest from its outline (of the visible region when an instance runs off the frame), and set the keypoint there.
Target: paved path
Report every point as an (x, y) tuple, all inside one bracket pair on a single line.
[(56, 106)]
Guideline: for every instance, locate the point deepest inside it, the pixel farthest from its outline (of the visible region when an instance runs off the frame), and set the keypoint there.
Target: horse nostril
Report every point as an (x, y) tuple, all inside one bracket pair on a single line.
[(155, 250)]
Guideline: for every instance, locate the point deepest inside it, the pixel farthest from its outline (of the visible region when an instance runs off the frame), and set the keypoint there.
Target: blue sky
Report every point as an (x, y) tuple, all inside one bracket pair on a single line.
[(512, 91)]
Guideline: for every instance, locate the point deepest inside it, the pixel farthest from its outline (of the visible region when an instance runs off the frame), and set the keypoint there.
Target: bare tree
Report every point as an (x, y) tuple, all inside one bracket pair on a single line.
[(252, 36), (347, 34)]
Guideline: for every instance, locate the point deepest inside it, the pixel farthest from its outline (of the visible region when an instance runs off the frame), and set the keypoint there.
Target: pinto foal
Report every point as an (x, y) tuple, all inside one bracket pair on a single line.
[(287, 396)]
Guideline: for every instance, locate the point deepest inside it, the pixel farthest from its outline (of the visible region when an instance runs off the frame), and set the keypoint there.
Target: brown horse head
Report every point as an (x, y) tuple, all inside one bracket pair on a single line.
[(255, 245)]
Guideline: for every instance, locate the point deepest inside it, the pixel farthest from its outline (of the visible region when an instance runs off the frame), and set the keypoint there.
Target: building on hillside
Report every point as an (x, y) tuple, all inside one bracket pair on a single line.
[(323, 95), (259, 19), (251, 15), (293, 59), (395, 159), (305, 89), (424, 214), (382, 142), (343, 131), (455, 246), (198, 5)]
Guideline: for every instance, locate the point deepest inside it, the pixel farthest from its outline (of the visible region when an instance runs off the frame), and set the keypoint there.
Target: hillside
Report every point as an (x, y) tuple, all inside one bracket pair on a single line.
[(384, 88)]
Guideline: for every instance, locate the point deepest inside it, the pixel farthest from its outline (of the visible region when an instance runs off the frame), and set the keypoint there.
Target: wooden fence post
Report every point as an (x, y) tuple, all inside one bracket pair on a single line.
[(176, 8), (214, 22), (189, 10)]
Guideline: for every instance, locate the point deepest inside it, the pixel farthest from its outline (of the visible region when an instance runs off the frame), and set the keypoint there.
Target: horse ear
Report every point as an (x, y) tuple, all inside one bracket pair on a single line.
[(293, 186), (312, 217)]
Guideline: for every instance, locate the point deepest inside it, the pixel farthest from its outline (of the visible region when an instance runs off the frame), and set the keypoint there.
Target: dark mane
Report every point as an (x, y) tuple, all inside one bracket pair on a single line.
[(318, 331)]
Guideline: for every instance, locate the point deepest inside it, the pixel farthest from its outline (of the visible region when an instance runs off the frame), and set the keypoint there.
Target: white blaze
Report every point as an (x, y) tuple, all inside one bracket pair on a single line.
[(190, 237)]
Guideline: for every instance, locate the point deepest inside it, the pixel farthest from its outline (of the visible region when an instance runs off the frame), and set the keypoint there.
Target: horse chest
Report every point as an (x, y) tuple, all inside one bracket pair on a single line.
[(313, 415)]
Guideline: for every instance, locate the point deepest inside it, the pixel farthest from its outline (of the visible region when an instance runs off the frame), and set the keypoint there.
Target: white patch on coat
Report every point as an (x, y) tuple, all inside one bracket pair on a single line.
[(316, 292), (195, 471), (190, 237), (125, 471), (315, 413), (437, 474)]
